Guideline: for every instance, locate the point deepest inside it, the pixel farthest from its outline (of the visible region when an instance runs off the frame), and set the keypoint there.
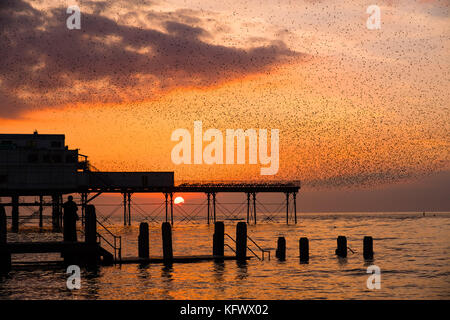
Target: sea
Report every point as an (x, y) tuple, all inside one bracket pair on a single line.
[(411, 252)]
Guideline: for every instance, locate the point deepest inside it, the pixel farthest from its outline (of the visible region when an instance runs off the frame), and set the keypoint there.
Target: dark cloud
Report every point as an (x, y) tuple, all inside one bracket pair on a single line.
[(45, 64)]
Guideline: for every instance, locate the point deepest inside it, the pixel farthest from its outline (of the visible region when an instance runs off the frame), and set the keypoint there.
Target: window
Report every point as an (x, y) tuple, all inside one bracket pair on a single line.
[(46, 158), (3, 178)]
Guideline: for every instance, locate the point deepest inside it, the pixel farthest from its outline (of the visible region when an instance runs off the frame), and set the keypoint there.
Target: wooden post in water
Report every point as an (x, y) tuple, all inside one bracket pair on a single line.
[(219, 239), (167, 243), (5, 256), (304, 249), (90, 233), (368, 248), (90, 227), (241, 241), (15, 214), (341, 250), (143, 241), (281, 249)]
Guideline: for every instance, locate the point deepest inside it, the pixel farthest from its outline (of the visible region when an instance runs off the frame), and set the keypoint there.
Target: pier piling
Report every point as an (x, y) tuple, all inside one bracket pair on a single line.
[(304, 249), (167, 243), (368, 248), (143, 241), (5, 256), (241, 241), (341, 250), (281, 249), (219, 239), (15, 214)]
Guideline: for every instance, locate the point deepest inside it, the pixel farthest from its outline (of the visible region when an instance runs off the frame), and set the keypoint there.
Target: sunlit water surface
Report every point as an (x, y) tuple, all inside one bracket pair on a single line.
[(412, 251)]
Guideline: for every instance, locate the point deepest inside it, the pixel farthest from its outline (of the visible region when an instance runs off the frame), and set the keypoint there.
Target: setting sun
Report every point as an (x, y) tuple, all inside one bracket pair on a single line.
[(178, 200)]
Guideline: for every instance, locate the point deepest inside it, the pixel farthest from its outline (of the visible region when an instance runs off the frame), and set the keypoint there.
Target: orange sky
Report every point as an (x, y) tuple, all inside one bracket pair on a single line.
[(354, 107)]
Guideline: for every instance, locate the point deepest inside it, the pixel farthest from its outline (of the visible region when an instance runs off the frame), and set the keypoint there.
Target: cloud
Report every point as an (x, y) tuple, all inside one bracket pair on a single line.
[(45, 64)]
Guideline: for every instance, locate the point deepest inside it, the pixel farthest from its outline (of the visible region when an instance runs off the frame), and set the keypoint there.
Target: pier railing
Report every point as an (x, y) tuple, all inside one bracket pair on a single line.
[(263, 251), (115, 244)]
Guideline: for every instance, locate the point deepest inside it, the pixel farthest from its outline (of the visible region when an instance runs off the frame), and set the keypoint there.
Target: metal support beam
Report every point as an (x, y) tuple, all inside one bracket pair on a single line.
[(287, 207), (167, 203), (294, 194), (124, 209), (214, 206), (208, 196), (171, 208), (129, 208), (254, 206), (248, 207)]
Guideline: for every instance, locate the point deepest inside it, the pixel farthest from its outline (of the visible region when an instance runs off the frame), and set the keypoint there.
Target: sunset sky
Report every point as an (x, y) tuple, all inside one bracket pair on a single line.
[(358, 110)]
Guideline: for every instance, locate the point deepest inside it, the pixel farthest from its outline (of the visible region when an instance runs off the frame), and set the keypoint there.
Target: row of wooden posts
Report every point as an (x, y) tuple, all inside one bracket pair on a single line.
[(341, 250), (218, 241), (241, 243)]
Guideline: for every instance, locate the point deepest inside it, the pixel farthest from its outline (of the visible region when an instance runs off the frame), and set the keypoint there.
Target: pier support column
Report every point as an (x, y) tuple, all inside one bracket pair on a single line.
[(241, 242), (248, 207), (294, 195), (208, 197), (219, 239), (5, 256), (143, 241), (254, 206), (129, 208), (83, 206), (214, 206), (287, 207), (90, 234), (15, 214), (56, 213), (167, 207), (167, 243), (124, 209), (171, 208), (41, 209)]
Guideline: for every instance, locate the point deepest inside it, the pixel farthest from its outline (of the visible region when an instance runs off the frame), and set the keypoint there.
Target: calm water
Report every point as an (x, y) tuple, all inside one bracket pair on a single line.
[(412, 251)]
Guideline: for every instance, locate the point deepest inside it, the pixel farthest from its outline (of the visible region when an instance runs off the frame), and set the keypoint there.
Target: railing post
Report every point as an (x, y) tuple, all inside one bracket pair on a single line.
[(167, 243), (219, 239), (5, 256), (241, 241), (143, 241)]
